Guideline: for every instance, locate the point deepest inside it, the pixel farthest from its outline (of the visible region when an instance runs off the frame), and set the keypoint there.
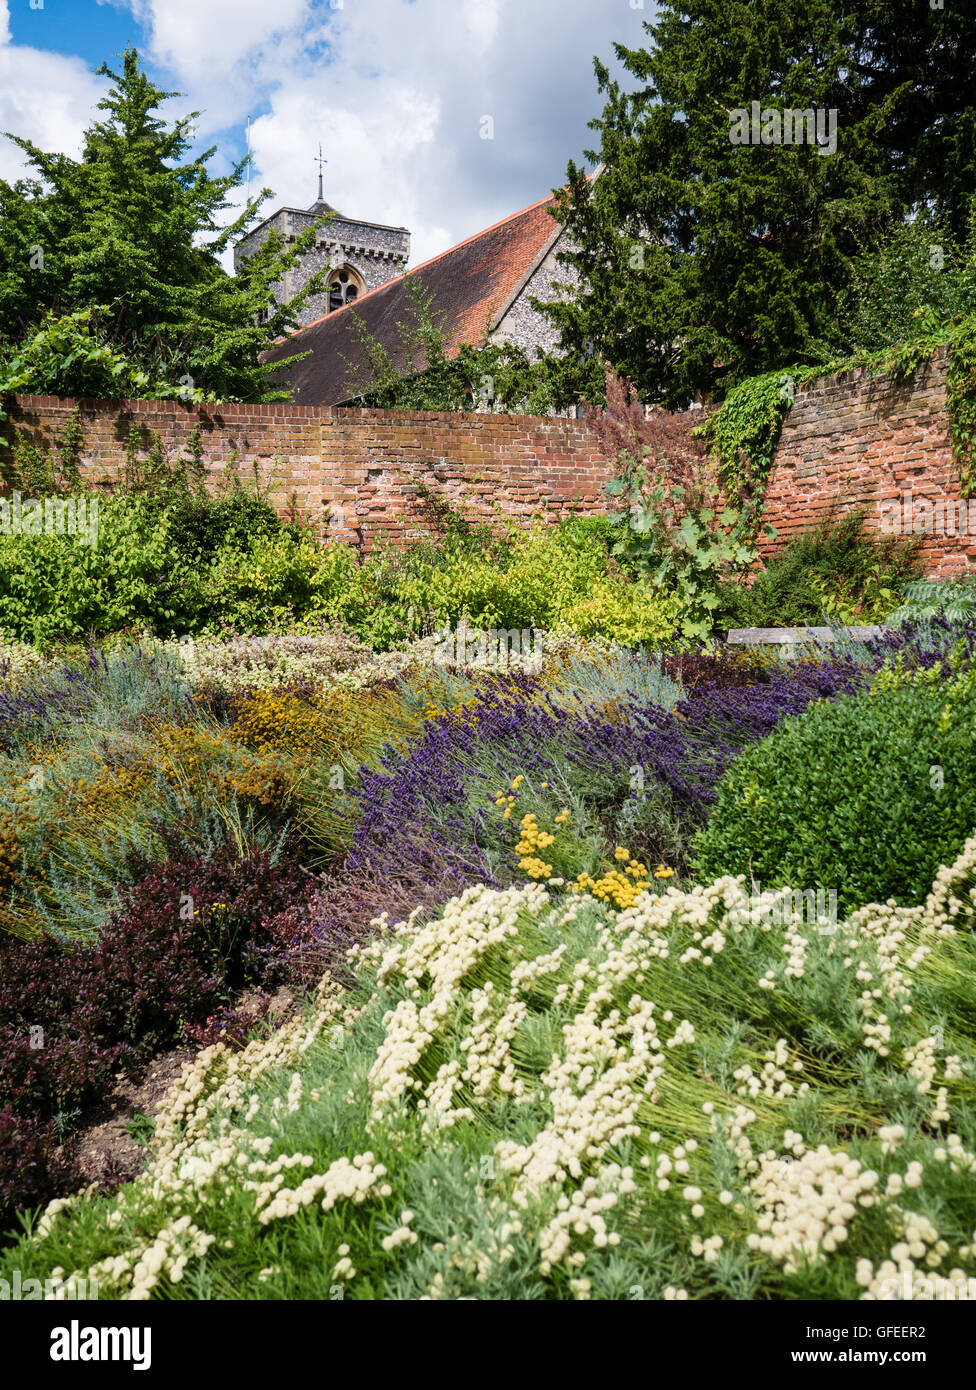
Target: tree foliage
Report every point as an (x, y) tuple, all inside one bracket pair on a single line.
[(134, 230), (704, 261)]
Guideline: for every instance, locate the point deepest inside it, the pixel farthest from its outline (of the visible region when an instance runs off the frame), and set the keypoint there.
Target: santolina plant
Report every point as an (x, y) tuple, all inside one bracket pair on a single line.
[(531, 1095)]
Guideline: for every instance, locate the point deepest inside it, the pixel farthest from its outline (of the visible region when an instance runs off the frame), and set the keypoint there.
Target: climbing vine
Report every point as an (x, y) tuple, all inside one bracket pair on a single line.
[(745, 429), (961, 401)]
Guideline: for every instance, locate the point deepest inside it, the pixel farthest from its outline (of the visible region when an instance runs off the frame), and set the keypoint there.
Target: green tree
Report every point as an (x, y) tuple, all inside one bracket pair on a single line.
[(133, 231), (919, 280), (705, 261)]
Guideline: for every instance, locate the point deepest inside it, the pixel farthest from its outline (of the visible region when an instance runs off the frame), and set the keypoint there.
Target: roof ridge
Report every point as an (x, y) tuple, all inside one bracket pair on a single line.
[(407, 273)]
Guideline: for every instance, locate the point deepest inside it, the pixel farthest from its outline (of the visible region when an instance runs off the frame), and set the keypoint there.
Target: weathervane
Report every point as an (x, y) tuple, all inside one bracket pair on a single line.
[(320, 161)]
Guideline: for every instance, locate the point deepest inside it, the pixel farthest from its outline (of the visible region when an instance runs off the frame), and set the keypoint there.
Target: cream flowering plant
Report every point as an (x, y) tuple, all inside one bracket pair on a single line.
[(536, 1094)]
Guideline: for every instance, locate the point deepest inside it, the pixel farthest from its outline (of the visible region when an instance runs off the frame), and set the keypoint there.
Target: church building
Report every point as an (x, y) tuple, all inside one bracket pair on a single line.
[(360, 255), (480, 288)]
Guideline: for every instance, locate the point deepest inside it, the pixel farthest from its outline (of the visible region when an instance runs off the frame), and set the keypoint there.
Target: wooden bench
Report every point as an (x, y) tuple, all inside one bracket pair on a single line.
[(789, 639)]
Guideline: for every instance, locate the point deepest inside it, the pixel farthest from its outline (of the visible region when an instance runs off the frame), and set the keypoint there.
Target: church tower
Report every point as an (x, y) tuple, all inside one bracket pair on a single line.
[(359, 256)]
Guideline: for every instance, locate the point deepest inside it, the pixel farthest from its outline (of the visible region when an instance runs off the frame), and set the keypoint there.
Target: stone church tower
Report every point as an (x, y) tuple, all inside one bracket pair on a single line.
[(360, 256)]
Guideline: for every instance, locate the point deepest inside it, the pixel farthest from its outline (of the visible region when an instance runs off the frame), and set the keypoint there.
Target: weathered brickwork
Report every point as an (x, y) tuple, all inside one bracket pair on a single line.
[(849, 441), (356, 474), (855, 440)]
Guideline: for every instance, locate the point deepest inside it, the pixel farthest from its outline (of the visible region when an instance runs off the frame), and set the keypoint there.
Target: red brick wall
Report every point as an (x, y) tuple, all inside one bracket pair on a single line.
[(365, 466), (855, 440), (849, 440)]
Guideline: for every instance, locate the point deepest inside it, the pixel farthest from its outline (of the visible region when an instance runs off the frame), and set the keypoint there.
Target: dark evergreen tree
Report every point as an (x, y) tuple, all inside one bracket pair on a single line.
[(704, 261)]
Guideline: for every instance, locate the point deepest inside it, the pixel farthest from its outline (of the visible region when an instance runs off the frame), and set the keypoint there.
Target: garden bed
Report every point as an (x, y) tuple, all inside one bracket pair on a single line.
[(249, 815)]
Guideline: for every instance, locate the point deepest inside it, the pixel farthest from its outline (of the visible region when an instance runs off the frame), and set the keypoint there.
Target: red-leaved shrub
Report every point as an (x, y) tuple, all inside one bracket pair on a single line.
[(191, 933)]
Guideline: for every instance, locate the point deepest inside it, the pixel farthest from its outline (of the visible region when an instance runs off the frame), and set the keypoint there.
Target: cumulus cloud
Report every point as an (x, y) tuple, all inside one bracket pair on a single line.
[(48, 97), (398, 91), (440, 115), (201, 41)]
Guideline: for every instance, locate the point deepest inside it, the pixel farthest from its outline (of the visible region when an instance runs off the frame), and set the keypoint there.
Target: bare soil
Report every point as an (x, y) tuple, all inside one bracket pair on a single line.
[(105, 1152)]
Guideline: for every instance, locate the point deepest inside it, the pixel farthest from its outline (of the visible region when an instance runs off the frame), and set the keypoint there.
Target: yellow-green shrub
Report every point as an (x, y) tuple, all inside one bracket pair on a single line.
[(626, 613)]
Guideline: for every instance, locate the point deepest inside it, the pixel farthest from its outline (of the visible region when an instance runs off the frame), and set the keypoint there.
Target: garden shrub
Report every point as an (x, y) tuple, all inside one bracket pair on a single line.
[(835, 570), (631, 614), (232, 521), (867, 794), (719, 664), (191, 933), (262, 586), (545, 570), (54, 586)]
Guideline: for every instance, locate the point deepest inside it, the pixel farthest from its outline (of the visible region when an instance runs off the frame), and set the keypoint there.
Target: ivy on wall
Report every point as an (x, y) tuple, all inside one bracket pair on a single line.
[(745, 429), (961, 401)]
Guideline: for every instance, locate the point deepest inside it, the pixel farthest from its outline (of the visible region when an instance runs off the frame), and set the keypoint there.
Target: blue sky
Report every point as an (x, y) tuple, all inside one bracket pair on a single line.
[(396, 90), (90, 30)]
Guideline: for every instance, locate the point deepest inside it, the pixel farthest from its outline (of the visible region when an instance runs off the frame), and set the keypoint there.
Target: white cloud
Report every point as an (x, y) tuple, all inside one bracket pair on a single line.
[(204, 39), (47, 97), (396, 91)]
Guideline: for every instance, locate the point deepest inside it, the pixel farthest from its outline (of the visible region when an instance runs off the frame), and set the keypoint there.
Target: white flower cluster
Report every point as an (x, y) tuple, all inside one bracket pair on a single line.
[(443, 952), (806, 1204), (582, 1214), (899, 1276), (403, 1235), (325, 659), (892, 1137), (353, 1181), (773, 1079), (165, 1256)]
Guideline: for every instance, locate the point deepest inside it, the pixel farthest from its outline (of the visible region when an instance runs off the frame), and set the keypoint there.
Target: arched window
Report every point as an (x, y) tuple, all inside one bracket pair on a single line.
[(343, 286)]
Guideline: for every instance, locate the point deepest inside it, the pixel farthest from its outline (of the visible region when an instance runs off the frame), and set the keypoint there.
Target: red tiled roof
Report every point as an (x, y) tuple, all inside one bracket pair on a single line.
[(472, 286)]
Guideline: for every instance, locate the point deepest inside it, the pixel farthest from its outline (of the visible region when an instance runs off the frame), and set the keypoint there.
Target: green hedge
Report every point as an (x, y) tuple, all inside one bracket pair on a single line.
[(175, 563)]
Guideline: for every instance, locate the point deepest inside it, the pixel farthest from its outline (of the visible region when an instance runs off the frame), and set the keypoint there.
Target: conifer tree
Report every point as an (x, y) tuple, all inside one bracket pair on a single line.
[(704, 261), (132, 231)]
